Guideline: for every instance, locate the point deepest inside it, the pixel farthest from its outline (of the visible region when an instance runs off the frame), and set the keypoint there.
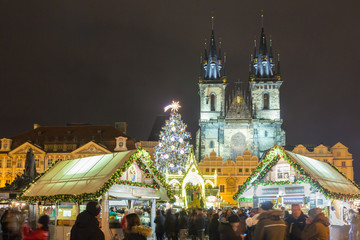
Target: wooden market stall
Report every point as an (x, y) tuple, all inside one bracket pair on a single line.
[(117, 180), (284, 177)]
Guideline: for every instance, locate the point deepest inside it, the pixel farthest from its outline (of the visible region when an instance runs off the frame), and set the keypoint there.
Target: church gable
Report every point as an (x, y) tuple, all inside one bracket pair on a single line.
[(91, 148), (23, 149)]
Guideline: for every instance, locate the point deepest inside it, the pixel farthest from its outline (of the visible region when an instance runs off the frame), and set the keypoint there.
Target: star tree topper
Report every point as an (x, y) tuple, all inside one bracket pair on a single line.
[(174, 106)]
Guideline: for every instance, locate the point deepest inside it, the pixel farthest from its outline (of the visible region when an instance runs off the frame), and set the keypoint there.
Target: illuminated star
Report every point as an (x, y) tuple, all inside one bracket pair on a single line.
[(174, 106)]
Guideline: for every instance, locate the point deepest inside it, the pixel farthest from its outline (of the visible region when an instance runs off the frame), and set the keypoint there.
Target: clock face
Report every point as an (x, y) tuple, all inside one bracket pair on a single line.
[(121, 144)]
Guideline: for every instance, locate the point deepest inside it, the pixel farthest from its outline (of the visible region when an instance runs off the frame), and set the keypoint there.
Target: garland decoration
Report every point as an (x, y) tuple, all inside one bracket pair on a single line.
[(271, 158), (139, 156)]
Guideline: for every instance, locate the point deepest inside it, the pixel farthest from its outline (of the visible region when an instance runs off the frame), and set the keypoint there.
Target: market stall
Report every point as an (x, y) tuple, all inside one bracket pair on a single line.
[(119, 181), (284, 177)]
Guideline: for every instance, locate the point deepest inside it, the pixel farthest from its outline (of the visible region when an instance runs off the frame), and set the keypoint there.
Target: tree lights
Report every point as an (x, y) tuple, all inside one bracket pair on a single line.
[(173, 149)]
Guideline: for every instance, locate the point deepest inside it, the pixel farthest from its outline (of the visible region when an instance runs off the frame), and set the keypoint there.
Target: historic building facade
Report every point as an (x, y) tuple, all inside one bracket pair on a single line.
[(249, 117), (54, 143), (338, 155)]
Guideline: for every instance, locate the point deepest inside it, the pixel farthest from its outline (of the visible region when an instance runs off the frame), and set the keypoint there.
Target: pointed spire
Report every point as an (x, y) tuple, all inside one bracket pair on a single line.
[(224, 65), (201, 66), (278, 65), (205, 52), (255, 55), (263, 47), (219, 56), (212, 47), (270, 53)]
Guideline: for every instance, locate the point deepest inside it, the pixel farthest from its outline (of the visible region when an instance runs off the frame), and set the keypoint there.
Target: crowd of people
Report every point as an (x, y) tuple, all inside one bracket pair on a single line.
[(264, 223)]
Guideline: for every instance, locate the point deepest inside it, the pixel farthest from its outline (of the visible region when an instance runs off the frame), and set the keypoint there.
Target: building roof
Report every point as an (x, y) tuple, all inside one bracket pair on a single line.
[(104, 135), (324, 176), (90, 177)]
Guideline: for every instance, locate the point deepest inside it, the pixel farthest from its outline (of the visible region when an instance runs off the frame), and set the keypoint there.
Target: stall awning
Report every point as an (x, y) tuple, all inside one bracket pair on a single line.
[(89, 177), (323, 176)]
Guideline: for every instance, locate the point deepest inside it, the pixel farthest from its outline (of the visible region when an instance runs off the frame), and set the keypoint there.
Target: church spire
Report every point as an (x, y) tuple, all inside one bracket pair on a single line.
[(212, 61)]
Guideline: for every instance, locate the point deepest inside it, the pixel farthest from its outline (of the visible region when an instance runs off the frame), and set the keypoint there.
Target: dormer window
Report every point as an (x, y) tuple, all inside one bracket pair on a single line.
[(282, 172), (5, 144)]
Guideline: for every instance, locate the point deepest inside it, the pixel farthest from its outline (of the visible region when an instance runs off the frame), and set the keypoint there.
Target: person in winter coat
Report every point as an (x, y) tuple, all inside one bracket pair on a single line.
[(159, 229), (228, 230), (11, 224), (135, 230), (213, 227), (317, 226), (354, 225), (199, 224), (170, 224), (41, 233), (251, 221), (87, 225), (295, 222), (243, 216), (192, 229), (270, 224), (183, 224)]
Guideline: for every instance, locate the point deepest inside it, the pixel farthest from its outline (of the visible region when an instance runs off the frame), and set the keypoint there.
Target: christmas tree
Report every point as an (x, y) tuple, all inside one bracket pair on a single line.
[(173, 149)]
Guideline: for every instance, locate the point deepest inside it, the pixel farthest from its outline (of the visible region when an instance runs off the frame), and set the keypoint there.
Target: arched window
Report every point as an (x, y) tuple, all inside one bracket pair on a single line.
[(211, 144), (212, 102), (266, 101)]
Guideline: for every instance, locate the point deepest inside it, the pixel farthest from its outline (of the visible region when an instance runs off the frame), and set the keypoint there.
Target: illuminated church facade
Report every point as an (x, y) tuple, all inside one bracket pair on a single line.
[(246, 118)]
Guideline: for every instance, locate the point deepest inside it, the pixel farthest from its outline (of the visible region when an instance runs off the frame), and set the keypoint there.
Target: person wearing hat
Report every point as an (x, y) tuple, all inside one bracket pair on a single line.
[(317, 225), (270, 224), (41, 233), (228, 230), (86, 226)]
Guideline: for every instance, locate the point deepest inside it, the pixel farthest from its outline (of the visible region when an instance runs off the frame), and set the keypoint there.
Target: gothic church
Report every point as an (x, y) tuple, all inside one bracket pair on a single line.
[(248, 118)]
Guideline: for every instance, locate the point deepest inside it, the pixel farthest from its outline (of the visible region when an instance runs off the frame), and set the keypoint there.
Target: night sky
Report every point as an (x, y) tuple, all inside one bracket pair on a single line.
[(104, 61)]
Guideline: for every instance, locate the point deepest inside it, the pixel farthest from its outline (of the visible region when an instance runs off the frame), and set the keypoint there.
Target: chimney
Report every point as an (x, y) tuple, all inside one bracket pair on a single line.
[(36, 125)]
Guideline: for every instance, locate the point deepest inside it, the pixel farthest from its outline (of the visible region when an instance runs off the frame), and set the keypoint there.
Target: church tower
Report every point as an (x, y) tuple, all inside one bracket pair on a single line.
[(264, 87), (212, 86)]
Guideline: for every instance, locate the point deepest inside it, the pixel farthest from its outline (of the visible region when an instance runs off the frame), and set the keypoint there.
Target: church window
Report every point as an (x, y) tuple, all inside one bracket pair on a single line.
[(211, 144), (8, 163), (265, 86), (240, 170), (266, 133), (37, 163), (212, 102), (222, 188), (282, 172), (246, 170), (207, 170), (266, 101), (219, 169), (343, 164)]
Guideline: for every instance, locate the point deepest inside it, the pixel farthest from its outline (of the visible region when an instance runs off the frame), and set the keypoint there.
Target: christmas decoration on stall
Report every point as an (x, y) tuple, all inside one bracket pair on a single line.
[(270, 159), (139, 157), (173, 149)]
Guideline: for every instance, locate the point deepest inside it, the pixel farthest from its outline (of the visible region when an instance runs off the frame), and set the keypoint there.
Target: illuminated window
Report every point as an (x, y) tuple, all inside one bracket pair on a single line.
[(8, 163), (246, 170), (213, 170), (219, 169), (222, 188), (132, 174), (19, 163), (240, 170), (212, 102), (282, 172), (343, 164), (266, 101), (207, 170), (37, 163)]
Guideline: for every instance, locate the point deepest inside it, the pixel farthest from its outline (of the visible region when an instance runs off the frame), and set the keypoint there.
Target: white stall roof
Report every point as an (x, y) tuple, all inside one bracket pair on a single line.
[(325, 174), (83, 175)]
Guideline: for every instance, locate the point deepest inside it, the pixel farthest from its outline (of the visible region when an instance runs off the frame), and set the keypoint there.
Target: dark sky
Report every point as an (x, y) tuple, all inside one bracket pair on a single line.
[(106, 61)]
